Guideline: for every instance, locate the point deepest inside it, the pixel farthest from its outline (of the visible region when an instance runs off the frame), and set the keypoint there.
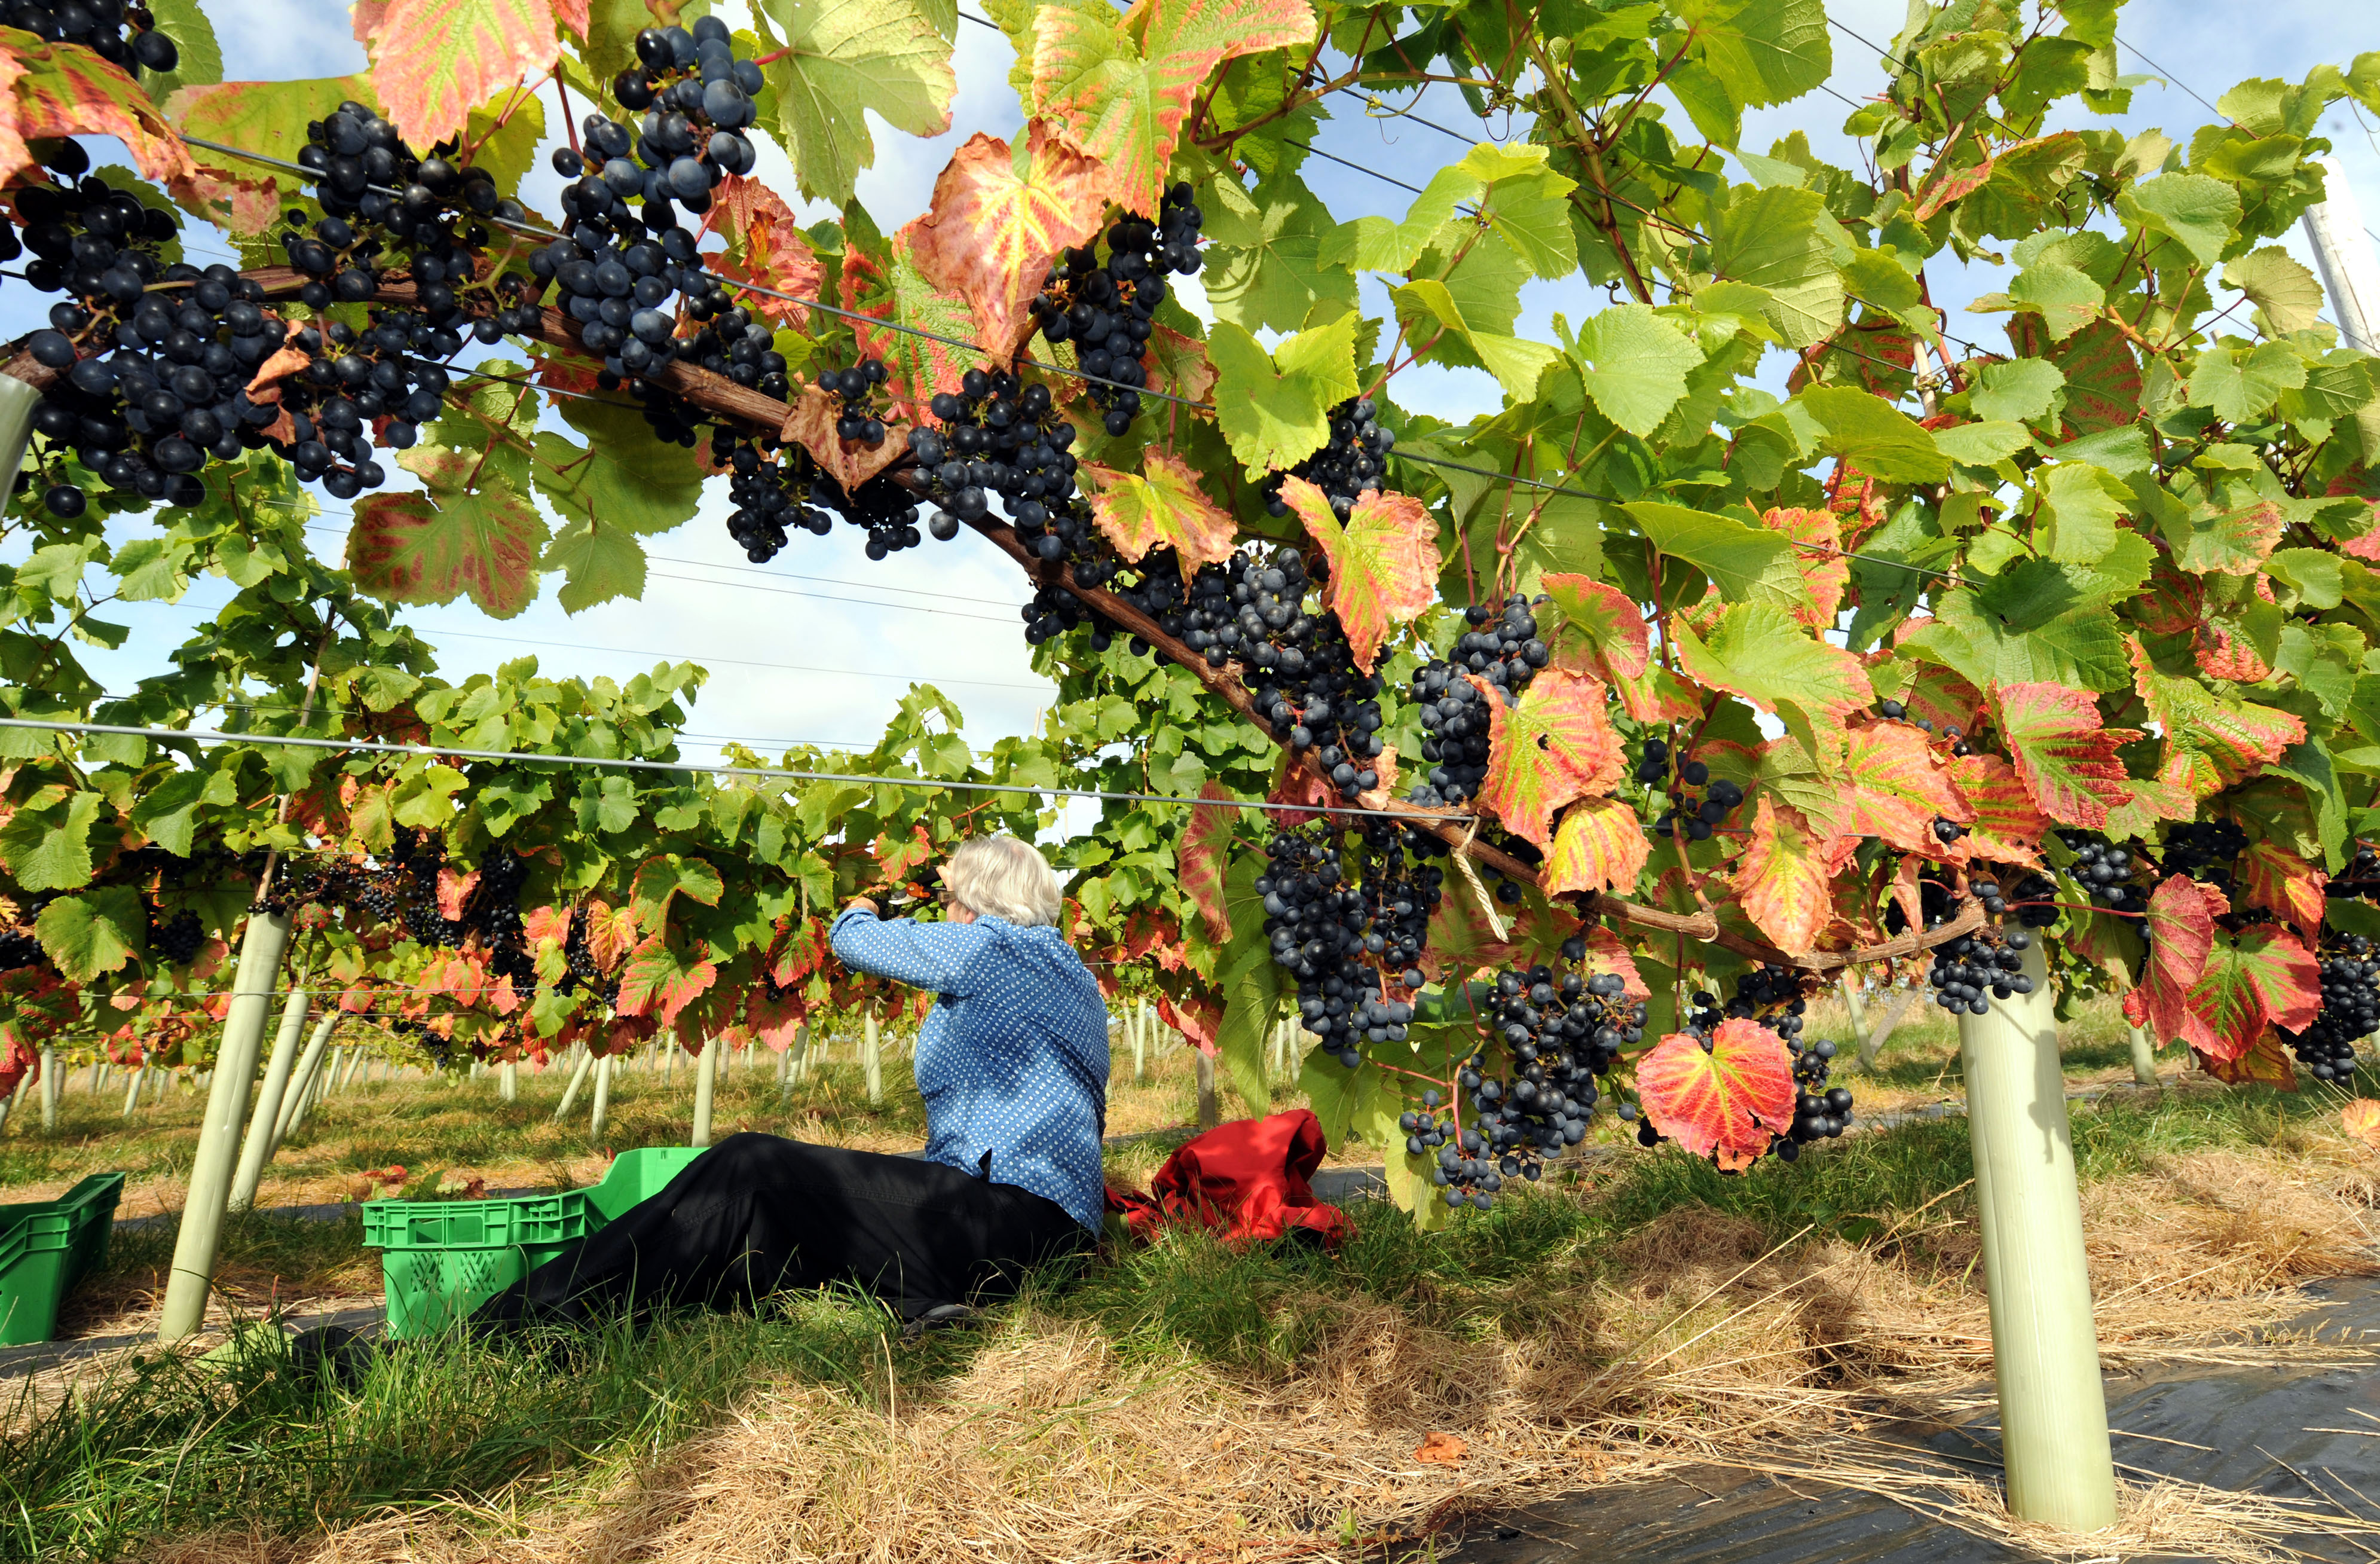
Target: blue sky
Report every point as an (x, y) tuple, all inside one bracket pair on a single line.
[(820, 645)]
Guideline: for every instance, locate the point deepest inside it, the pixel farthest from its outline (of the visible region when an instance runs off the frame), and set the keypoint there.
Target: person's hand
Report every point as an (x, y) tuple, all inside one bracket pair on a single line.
[(867, 903)]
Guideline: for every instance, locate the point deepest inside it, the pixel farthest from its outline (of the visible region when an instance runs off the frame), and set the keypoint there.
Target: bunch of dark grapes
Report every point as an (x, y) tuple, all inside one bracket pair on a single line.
[(1106, 310), (494, 914), (1820, 1111), (177, 940), (1001, 436), (2033, 899), (2350, 1011), (153, 361), (384, 205), (20, 947), (1559, 1030), (1317, 921), (355, 379), (2360, 879), (1972, 970), (2106, 871), (772, 485), (697, 99), (99, 26), (580, 970), (2204, 851), (1401, 890), (1201, 613), (1353, 462), (1453, 712), (1698, 800), (860, 419), (1302, 673)]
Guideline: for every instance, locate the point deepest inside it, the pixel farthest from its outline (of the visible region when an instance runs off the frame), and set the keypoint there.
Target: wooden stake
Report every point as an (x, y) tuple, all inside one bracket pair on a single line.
[(872, 1062)]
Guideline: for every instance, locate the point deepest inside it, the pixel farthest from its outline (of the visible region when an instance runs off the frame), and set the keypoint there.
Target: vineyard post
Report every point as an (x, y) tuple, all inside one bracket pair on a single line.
[(19, 402), (603, 1110), (570, 1092), (2144, 1059), (261, 944), (872, 1062), (132, 1093), (706, 1081), (49, 1091), (1136, 1018), (508, 1084), (265, 1119), (98, 1075), (309, 1076), (2044, 1349), (2334, 231), (1857, 1006), (1210, 1112)]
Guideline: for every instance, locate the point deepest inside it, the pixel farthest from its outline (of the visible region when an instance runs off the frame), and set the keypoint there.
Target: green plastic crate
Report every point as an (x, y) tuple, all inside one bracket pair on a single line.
[(443, 1258), (46, 1246)]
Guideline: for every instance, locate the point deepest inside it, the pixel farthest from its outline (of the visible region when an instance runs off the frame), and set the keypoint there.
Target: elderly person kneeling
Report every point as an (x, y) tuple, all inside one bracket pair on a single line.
[(1012, 1064)]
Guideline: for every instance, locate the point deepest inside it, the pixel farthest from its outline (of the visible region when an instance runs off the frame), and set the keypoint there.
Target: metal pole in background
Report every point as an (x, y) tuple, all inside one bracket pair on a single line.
[(2333, 228)]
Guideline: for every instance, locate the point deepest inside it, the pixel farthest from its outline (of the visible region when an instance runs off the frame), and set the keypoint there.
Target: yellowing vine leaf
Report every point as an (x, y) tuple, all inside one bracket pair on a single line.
[(434, 61), (881, 281), (766, 245), (65, 90), (1896, 788), (2280, 881), (1780, 882), (997, 219), (1121, 84), (409, 548), (1725, 1103), (1556, 745), (2180, 926), (1198, 862), (2211, 742), (1600, 844), (2063, 753), (1825, 572), (2006, 827), (2263, 976), (1383, 562), (661, 982), (1160, 505), (1602, 631)]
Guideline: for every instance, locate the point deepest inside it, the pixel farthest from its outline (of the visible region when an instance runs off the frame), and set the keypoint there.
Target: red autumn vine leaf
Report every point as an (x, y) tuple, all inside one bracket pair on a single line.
[(800, 954), (413, 548), (1198, 861), (1555, 745), (2180, 926), (2267, 1064), (434, 61), (765, 245), (610, 932), (2006, 827), (56, 90), (2261, 977), (775, 1017), (2211, 742), (455, 889), (2063, 753), (1383, 561), (2280, 881), (1781, 881), (1119, 84), (1825, 572), (1895, 787), (664, 876), (1602, 633), (999, 217), (1607, 953), (1160, 505), (661, 982), (1725, 1103), (547, 922), (811, 426), (880, 280), (1600, 844)]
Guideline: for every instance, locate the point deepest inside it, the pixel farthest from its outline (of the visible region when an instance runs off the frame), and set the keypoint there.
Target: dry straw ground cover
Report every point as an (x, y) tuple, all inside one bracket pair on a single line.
[(1188, 1403)]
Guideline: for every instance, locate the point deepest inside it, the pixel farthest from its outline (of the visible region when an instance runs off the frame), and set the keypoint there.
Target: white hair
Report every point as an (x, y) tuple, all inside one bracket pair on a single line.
[(1006, 878)]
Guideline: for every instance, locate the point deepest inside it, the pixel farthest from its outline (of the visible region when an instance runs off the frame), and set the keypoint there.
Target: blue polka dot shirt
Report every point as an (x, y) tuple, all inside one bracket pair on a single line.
[(1014, 1060)]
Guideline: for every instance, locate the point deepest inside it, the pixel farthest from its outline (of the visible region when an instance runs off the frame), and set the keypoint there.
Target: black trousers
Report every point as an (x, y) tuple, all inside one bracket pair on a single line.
[(758, 1213)]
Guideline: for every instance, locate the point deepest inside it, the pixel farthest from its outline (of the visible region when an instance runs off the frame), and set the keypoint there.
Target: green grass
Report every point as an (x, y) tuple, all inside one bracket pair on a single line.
[(159, 1446)]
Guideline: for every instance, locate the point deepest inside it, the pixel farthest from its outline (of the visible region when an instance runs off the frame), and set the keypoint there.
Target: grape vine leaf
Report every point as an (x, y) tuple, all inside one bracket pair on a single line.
[(2007, 827), (1824, 573), (411, 548), (94, 933), (2280, 881), (665, 876), (434, 61), (1895, 787), (2063, 753), (2265, 1064), (1600, 844), (2211, 742), (2234, 543), (661, 981), (1761, 653), (1199, 861), (810, 423), (1161, 505), (1120, 85), (65, 89), (1769, 241), (880, 280), (1727, 1103), (1884, 442), (775, 1016), (1265, 264), (766, 245), (2180, 926), (1634, 365), (1273, 407), (1781, 881), (2262, 976), (1762, 53), (1602, 633), (1556, 744), (1384, 561), (998, 218), (2290, 296), (2198, 212), (1747, 564), (836, 59)]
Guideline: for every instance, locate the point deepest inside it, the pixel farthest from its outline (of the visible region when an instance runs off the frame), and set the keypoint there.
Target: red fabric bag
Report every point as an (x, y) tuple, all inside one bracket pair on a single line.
[(1244, 1180)]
